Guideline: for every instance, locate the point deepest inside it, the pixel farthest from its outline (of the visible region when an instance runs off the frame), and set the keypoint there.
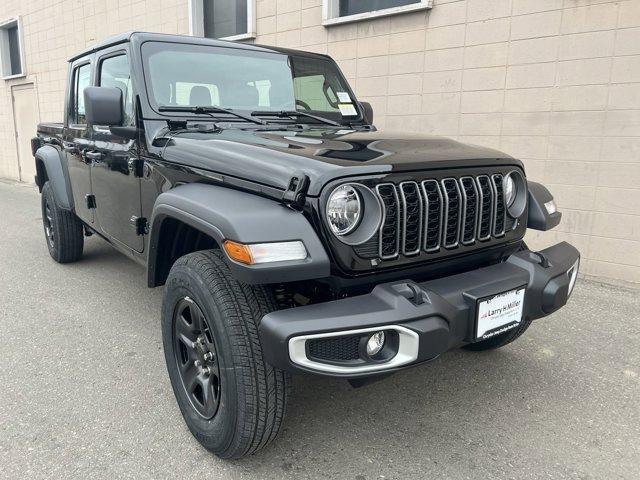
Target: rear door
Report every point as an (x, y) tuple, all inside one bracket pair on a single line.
[(114, 169), (76, 140)]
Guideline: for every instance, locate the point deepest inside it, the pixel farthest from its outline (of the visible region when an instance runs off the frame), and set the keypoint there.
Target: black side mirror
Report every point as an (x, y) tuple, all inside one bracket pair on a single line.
[(368, 112), (103, 106)]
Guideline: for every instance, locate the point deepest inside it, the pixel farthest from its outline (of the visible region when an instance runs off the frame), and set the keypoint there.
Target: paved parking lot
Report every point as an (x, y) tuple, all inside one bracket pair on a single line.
[(84, 393)]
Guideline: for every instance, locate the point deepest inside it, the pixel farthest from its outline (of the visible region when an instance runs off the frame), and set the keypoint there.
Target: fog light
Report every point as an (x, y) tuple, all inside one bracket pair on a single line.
[(375, 343)]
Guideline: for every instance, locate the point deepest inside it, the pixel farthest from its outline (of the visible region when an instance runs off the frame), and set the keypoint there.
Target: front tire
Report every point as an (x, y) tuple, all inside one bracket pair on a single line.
[(232, 401), (62, 229)]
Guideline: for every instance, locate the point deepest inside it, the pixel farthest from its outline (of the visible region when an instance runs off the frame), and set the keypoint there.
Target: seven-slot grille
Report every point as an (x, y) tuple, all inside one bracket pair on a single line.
[(431, 214)]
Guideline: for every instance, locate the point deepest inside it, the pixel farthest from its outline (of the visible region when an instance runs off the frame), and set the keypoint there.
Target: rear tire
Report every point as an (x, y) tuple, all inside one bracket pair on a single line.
[(62, 229), (499, 340), (234, 402)]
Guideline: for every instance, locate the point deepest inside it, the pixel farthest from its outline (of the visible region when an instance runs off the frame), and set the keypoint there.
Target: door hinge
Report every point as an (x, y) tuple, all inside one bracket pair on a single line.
[(141, 225), (91, 200), (296, 192)]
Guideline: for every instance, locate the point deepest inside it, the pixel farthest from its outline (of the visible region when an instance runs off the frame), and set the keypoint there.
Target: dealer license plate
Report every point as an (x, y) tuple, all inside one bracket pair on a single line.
[(499, 313)]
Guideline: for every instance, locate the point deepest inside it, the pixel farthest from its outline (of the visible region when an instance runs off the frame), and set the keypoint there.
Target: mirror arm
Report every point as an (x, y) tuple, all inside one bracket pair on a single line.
[(130, 133)]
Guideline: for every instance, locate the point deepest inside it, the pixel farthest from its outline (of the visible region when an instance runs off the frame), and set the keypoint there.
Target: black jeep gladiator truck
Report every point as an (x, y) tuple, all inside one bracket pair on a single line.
[(290, 235)]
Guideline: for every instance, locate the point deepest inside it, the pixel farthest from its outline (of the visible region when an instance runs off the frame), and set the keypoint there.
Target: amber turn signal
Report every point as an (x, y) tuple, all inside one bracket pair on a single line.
[(238, 252)]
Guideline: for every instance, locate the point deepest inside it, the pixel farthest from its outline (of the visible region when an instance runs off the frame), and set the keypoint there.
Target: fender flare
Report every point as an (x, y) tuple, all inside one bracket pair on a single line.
[(227, 214), (539, 218), (56, 174)]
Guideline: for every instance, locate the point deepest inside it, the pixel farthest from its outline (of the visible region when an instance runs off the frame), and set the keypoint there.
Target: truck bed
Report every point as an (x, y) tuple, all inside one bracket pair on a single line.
[(50, 129)]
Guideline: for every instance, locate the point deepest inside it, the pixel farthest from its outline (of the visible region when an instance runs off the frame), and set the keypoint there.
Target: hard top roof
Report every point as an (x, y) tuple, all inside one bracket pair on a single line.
[(162, 37)]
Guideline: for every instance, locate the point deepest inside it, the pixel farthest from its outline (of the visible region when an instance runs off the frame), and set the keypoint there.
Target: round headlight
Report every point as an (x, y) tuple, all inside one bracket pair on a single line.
[(515, 193), (510, 190), (344, 210)]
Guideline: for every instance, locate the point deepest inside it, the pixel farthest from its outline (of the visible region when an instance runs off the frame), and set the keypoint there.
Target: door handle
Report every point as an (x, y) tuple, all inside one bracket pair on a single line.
[(93, 156)]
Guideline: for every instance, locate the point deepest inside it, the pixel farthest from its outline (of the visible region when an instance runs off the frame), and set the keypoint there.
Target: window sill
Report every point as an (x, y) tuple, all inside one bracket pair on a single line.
[(242, 36), (424, 5), (17, 75)]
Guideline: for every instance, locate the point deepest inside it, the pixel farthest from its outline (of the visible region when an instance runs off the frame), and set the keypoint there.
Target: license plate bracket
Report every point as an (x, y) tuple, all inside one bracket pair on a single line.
[(498, 313)]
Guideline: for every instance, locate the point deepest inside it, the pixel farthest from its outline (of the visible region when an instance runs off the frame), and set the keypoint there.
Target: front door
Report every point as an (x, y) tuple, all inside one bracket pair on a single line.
[(114, 179), (25, 116)]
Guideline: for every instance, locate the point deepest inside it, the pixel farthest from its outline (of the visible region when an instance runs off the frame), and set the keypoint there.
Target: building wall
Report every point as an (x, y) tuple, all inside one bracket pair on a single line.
[(553, 82)]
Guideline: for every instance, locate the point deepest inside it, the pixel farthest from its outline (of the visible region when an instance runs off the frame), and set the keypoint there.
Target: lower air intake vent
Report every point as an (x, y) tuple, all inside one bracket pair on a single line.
[(335, 348)]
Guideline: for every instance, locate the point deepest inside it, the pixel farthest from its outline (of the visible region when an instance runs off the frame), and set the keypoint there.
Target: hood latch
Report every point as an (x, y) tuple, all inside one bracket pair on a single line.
[(296, 192)]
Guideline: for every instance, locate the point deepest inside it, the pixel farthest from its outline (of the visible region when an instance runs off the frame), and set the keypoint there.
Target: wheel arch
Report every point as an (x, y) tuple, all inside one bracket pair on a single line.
[(50, 167), (207, 215)]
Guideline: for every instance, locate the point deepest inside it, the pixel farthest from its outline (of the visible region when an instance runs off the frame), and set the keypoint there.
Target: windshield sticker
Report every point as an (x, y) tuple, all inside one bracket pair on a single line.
[(343, 97), (347, 110)]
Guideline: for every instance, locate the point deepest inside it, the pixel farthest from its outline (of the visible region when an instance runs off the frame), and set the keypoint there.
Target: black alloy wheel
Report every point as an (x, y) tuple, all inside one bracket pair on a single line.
[(196, 358), (47, 218)]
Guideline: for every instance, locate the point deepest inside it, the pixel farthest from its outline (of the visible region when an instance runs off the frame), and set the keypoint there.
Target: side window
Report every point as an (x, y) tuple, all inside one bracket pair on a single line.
[(115, 72), (81, 80)]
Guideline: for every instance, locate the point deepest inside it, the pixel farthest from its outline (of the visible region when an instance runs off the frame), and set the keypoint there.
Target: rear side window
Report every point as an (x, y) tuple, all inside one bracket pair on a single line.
[(81, 80), (115, 72)]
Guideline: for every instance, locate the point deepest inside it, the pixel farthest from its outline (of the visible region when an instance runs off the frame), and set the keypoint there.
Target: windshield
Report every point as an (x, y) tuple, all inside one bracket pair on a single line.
[(183, 75)]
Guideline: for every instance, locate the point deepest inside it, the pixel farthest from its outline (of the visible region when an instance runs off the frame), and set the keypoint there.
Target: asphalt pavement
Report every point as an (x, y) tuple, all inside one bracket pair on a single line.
[(84, 391)]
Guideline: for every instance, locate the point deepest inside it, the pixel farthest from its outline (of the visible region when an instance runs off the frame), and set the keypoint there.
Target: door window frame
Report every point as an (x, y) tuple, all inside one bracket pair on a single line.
[(71, 110), (98, 73)]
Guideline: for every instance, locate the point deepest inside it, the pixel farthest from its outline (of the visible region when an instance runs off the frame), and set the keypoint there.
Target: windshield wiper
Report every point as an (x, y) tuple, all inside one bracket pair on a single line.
[(293, 114), (198, 110)]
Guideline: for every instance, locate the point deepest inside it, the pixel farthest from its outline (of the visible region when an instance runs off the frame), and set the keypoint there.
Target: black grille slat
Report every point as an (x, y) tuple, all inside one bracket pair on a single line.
[(499, 207), (335, 348), (452, 210), (412, 218), (486, 207), (390, 230), (433, 215), (470, 210)]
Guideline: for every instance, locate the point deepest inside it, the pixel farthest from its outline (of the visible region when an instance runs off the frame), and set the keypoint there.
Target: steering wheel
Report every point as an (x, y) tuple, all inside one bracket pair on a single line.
[(303, 104)]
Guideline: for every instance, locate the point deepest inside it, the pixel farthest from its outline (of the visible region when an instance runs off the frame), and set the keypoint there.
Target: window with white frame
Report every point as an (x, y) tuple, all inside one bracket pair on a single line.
[(342, 11), (11, 52), (225, 19)]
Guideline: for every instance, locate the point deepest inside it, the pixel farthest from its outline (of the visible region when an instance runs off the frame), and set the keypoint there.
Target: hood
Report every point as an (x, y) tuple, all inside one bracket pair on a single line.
[(271, 157)]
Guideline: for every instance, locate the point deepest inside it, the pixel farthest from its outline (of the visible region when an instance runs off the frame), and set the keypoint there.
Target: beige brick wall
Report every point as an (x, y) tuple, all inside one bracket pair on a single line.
[(553, 82)]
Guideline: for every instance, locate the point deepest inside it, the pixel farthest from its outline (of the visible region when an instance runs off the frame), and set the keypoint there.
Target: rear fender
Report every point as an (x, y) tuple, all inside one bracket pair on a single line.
[(50, 167)]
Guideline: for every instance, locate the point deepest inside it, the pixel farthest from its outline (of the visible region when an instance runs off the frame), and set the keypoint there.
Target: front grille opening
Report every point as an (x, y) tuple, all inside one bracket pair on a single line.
[(389, 233), (498, 227), (470, 209), (412, 211), (335, 349), (433, 220), (486, 202), (452, 204)]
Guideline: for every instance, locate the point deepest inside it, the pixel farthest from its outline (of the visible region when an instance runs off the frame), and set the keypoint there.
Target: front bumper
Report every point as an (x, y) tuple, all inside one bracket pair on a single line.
[(426, 319)]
